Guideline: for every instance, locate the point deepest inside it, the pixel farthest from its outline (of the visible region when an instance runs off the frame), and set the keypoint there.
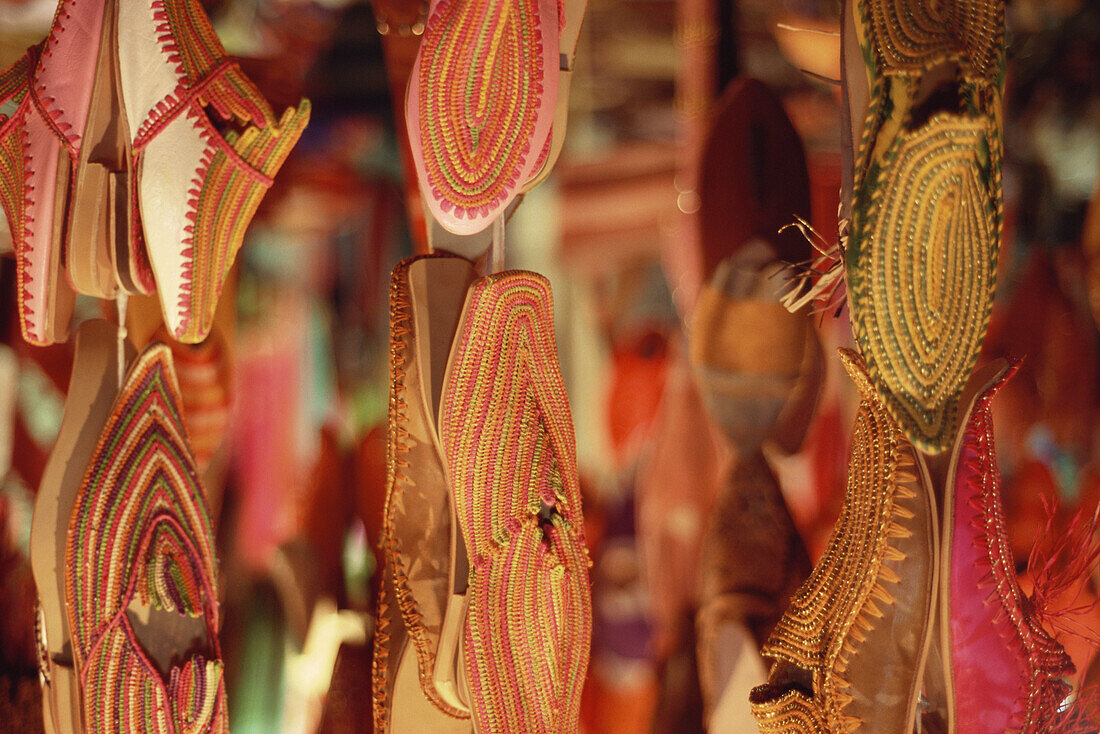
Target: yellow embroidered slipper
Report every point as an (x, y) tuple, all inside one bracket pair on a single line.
[(850, 651), (926, 207)]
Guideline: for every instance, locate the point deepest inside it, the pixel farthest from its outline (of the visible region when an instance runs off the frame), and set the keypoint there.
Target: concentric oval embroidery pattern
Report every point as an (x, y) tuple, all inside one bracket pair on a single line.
[(927, 254), (507, 434), (481, 105), (913, 36)]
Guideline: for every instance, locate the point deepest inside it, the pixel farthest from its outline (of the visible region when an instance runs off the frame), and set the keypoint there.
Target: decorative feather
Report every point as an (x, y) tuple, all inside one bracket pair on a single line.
[(819, 281)]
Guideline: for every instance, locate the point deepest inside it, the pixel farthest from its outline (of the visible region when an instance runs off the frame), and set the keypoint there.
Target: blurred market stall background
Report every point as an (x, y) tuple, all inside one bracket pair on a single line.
[(296, 382)]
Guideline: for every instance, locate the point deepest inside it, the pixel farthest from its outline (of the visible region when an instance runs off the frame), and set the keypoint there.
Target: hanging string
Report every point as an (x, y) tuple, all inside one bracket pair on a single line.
[(120, 301), (496, 248)]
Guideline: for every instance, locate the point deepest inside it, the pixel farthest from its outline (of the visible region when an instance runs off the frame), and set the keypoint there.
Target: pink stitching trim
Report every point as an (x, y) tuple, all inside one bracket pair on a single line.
[(55, 27), (247, 168), (172, 105), (46, 103), (188, 243), (52, 116), (1013, 616), (28, 235), (167, 40), (167, 37)]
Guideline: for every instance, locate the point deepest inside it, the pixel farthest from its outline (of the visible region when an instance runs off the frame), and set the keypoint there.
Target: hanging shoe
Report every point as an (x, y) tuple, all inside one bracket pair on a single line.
[(752, 177), (119, 88), (849, 652), (425, 573), (926, 208), (91, 393), (447, 624), (508, 443), (758, 390), (914, 610), (188, 106), (481, 105), (34, 180), (1004, 671), (140, 583)]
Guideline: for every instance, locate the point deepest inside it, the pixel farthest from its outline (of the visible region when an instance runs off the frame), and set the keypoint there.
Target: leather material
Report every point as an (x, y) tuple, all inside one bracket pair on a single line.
[(148, 72), (987, 673), (64, 78), (165, 203), (417, 530), (406, 709), (91, 392), (61, 87), (1007, 670), (753, 561), (849, 648), (758, 366), (412, 712), (38, 251), (738, 668), (885, 683), (174, 76)]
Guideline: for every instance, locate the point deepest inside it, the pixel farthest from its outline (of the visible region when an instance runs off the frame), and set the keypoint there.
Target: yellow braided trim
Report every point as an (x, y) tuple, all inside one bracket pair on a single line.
[(829, 615), (791, 713), (225, 195), (911, 36)]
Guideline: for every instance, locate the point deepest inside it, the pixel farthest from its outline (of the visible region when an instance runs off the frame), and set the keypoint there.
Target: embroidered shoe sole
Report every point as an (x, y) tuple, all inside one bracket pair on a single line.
[(481, 105), (508, 442), (140, 582), (926, 211)]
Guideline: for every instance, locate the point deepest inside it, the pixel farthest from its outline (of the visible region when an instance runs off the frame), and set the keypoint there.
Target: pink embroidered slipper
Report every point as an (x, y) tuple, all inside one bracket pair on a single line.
[(1004, 670), (134, 156), (34, 179), (508, 443), (480, 105), (140, 579)]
